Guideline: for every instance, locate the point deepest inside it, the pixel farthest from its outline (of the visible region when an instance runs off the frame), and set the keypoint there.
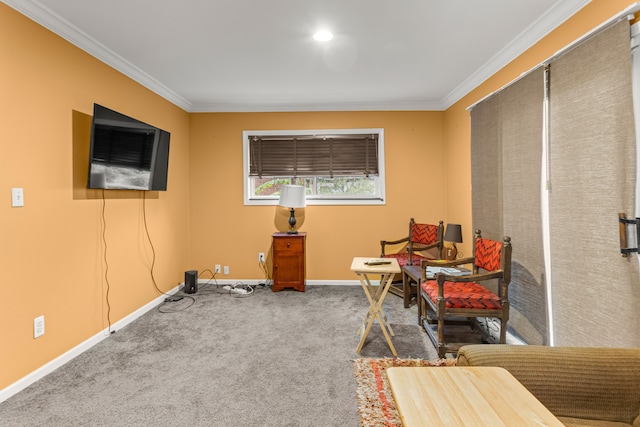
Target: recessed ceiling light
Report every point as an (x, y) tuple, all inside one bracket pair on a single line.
[(323, 36)]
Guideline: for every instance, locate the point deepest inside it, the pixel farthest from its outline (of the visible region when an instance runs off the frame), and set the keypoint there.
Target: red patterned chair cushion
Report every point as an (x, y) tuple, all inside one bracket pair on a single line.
[(403, 258), (488, 254), (463, 295), (425, 234)]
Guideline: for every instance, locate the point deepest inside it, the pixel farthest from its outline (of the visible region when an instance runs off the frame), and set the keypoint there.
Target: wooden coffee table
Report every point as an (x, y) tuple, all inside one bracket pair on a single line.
[(465, 396)]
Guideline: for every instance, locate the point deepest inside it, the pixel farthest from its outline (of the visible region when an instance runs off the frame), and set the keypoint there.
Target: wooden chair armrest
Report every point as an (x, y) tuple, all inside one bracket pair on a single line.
[(393, 242), (443, 263), (420, 247), (441, 277), (383, 243)]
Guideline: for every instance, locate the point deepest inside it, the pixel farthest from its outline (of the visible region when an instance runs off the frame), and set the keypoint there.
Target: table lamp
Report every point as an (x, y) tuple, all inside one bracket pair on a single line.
[(452, 234), (292, 196)]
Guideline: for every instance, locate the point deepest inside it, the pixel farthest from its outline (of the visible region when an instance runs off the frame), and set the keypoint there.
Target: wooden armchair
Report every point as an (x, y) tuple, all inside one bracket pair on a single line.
[(422, 237), (454, 296)]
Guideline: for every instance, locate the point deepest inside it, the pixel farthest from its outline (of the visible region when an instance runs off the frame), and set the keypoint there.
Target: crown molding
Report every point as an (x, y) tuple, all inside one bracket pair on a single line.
[(44, 16), (559, 13), (302, 107)]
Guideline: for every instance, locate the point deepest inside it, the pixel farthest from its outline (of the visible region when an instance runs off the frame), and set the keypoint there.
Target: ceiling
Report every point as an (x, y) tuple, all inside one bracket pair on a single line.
[(258, 55)]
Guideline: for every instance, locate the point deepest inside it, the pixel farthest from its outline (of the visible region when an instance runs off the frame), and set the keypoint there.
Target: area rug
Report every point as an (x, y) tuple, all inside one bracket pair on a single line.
[(375, 399)]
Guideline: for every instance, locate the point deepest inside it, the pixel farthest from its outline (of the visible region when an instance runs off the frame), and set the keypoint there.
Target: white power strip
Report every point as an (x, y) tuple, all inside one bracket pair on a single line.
[(235, 290)]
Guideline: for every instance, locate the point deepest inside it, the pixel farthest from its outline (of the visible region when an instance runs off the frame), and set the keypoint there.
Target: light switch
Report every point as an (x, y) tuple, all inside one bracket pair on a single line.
[(17, 197)]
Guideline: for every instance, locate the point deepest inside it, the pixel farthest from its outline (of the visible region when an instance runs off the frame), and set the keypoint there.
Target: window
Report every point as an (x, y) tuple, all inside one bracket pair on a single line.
[(336, 166)]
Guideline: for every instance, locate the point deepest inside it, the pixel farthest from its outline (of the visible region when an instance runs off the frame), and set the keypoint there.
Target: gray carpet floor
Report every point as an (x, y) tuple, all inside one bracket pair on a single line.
[(267, 359)]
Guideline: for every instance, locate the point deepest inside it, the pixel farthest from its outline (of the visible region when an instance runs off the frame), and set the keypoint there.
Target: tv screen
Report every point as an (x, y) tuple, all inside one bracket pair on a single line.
[(126, 154)]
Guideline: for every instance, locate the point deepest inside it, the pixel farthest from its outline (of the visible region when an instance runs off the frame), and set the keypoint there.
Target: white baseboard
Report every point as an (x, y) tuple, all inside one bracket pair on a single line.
[(334, 282), (51, 366), (254, 282)]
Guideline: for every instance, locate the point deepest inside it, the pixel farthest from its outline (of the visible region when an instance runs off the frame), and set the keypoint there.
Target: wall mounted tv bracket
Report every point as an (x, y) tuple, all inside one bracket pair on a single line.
[(624, 222)]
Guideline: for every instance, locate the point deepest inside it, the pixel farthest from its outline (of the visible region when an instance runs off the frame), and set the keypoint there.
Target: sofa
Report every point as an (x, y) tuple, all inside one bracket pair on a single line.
[(581, 386)]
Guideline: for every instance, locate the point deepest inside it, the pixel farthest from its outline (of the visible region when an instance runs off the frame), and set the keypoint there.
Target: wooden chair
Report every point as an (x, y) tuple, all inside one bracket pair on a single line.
[(453, 297), (422, 237)]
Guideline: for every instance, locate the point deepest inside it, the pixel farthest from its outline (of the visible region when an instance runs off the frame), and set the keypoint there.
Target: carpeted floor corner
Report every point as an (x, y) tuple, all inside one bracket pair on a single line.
[(376, 405)]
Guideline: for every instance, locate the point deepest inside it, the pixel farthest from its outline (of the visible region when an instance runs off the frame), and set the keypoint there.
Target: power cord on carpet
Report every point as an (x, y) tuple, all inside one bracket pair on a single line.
[(181, 296), (239, 289), (267, 279), (172, 300), (236, 290)]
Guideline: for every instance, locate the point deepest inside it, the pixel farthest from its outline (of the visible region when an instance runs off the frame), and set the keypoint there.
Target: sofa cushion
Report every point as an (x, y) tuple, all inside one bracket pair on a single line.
[(575, 382), (581, 422)]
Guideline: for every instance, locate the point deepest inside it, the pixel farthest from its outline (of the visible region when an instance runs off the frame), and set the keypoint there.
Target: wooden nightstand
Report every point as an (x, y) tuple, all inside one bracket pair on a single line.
[(288, 261)]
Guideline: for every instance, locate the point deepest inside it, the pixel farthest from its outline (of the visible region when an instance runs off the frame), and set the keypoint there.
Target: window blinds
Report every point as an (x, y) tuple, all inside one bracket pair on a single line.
[(313, 155)]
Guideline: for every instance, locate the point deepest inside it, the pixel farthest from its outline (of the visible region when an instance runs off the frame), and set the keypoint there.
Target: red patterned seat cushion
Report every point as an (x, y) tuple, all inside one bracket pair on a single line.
[(403, 258), (463, 295)]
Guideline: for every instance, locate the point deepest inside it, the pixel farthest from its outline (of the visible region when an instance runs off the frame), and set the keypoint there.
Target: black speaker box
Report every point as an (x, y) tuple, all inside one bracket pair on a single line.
[(191, 281)]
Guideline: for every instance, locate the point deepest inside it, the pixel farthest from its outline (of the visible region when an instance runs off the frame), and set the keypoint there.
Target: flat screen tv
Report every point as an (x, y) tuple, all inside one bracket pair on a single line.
[(126, 154)]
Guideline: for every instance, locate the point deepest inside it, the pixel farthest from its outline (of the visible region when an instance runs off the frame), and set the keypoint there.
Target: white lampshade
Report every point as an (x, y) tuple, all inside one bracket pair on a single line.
[(292, 196)]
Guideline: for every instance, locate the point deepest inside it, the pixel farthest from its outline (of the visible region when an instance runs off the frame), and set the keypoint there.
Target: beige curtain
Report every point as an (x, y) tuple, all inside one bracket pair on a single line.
[(486, 168), (506, 152), (595, 291), (522, 153)]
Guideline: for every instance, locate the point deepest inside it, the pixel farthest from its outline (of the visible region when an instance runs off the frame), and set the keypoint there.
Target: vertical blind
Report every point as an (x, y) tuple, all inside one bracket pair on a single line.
[(591, 164), (592, 172), (521, 177), (310, 155), (486, 166), (506, 152)]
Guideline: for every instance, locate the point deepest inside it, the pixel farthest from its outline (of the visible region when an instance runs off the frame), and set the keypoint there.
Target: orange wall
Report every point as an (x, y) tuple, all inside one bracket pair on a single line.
[(457, 130), (224, 231), (51, 257), (427, 164)]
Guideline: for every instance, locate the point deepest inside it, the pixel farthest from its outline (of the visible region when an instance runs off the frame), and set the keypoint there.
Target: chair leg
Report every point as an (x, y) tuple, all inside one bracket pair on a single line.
[(503, 321), (419, 302), (503, 330), (406, 289), (422, 309), (442, 347)]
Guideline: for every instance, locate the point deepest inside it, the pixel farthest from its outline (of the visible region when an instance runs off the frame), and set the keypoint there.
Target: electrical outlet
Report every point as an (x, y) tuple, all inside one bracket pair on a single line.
[(217, 268), (38, 326), (261, 257), (226, 269), (17, 197)]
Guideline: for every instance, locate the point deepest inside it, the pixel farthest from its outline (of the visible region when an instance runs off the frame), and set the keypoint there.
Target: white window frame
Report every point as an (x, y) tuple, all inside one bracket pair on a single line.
[(378, 199)]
